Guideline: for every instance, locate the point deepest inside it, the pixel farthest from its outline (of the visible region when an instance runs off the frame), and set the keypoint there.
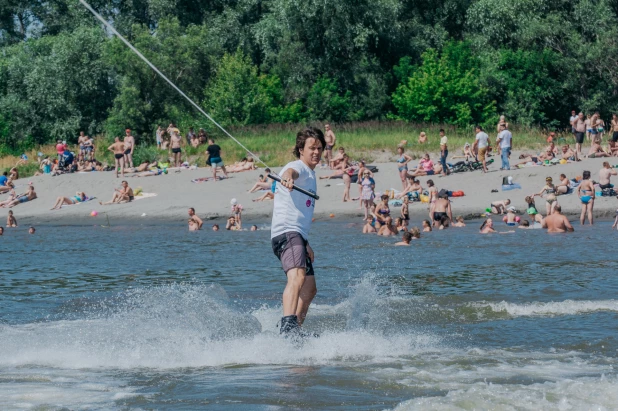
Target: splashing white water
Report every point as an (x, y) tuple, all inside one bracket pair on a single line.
[(567, 307)]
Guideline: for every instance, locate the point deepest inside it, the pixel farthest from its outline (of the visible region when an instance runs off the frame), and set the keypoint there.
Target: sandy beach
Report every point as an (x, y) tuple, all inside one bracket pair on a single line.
[(175, 193)]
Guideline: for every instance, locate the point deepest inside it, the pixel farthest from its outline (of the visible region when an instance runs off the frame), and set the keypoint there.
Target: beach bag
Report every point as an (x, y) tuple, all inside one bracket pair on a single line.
[(457, 194)]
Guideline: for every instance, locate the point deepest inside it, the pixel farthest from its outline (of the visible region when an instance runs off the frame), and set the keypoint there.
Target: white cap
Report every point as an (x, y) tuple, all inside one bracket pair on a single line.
[(233, 202)]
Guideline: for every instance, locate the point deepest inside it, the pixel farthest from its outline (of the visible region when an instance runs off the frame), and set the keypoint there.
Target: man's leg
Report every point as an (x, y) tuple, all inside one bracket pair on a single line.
[(307, 293), (292, 292)]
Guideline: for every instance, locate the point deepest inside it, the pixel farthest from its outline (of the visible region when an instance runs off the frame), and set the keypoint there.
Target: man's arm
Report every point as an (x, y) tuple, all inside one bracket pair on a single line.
[(287, 178), (567, 224)]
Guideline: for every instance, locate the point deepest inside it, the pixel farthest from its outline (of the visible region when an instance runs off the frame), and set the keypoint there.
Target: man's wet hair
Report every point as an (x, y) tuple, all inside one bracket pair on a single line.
[(304, 135)]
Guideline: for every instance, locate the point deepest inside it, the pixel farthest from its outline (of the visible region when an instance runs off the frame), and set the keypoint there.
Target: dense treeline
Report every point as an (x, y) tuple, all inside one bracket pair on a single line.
[(278, 61)]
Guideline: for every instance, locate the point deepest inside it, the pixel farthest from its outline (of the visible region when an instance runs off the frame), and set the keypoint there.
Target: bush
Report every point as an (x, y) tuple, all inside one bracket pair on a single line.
[(325, 103), (445, 88)]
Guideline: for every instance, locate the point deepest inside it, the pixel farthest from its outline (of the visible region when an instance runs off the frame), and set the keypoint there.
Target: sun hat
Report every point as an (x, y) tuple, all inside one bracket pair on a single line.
[(233, 202)]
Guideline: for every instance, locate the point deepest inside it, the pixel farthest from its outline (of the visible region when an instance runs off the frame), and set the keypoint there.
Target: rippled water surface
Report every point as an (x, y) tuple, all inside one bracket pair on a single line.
[(155, 317)]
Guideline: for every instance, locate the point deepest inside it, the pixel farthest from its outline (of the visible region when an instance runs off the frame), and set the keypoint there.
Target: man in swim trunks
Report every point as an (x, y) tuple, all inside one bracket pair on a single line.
[(214, 158), (124, 195), (81, 141), (580, 132), (330, 139), (195, 223), (557, 222), (118, 149), (441, 209), (605, 175), (175, 146), (481, 144), (292, 216), (129, 144), (29, 196)]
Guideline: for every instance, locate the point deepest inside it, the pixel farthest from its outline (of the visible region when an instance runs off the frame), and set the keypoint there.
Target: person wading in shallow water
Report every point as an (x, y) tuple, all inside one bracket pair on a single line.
[(292, 215)]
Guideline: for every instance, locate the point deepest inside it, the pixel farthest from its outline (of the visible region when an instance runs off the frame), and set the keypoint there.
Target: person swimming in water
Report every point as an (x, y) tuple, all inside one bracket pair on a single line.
[(426, 226), (586, 194), (388, 228), (369, 228), (195, 223), (487, 227), (557, 222), (405, 240), (460, 222)]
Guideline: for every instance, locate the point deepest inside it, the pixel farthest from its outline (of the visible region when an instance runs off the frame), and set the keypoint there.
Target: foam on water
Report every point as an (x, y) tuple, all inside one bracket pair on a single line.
[(570, 394), (188, 325), (553, 308)]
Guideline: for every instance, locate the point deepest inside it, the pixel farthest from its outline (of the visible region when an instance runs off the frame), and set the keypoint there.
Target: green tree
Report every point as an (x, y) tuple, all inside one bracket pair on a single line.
[(326, 102), (444, 88)]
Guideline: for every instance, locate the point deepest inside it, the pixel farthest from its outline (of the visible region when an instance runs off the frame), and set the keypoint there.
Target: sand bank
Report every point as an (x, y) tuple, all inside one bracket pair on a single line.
[(176, 193)]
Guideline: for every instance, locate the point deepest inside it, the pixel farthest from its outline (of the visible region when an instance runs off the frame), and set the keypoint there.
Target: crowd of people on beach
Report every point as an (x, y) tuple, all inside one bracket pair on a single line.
[(376, 206)]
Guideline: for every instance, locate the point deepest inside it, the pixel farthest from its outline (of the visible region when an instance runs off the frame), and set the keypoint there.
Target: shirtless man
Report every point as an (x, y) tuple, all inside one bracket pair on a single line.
[(124, 195), (442, 208), (595, 149), (605, 174), (433, 196), (195, 223), (557, 222), (118, 149), (568, 153), (580, 132), (175, 142), (23, 198), (335, 161), (129, 145), (81, 141), (330, 138)]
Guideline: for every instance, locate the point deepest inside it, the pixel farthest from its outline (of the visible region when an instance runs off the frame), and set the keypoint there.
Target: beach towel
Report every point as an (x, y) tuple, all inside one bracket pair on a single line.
[(204, 179), (141, 196)]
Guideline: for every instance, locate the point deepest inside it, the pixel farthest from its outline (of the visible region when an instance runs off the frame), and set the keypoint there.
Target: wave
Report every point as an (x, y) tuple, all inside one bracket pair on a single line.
[(193, 325), (553, 308)]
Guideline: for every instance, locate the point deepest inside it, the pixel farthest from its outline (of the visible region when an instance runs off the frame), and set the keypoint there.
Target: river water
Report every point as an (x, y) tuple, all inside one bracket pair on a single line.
[(155, 317)]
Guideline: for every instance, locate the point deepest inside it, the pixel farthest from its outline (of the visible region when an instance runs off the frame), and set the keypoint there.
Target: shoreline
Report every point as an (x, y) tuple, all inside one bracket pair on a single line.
[(176, 193)]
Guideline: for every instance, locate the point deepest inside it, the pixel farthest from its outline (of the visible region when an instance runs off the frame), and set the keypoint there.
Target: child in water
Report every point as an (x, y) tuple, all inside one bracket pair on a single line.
[(11, 221)]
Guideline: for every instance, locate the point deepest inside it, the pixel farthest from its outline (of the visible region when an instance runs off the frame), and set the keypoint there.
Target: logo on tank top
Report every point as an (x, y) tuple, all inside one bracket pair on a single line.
[(310, 202)]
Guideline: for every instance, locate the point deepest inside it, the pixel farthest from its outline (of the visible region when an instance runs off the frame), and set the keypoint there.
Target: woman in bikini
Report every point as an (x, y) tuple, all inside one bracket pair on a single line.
[(586, 194), (550, 190), (79, 197), (402, 165), (487, 227), (382, 210)]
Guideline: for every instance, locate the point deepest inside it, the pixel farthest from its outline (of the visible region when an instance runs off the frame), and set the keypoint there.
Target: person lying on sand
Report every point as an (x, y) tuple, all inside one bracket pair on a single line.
[(79, 197), (246, 164), (22, 198), (8, 187), (123, 195)]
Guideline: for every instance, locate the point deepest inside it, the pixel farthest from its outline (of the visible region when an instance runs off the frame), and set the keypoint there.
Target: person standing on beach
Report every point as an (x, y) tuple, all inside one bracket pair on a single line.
[(614, 128), (214, 158), (292, 216), (330, 139), (580, 131), (504, 141), (443, 151), (175, 142), (159, 135), (190, 135), (129, 145), (586, 194), (572, 121), (118, 149), (81, 142), (480, 145)]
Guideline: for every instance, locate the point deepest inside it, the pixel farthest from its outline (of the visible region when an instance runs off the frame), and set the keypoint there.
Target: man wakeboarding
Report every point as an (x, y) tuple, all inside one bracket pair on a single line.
[(292, 216)]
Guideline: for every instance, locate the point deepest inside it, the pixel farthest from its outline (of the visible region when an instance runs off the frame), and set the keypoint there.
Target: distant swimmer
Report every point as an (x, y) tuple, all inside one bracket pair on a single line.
[(426, 226), (195, 223), (557, 222), (487, 227), (369, 226), (11, 221), (405, 240), (387, 228), (215, 227), (292, 217), (31, 230), (460, 222)]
